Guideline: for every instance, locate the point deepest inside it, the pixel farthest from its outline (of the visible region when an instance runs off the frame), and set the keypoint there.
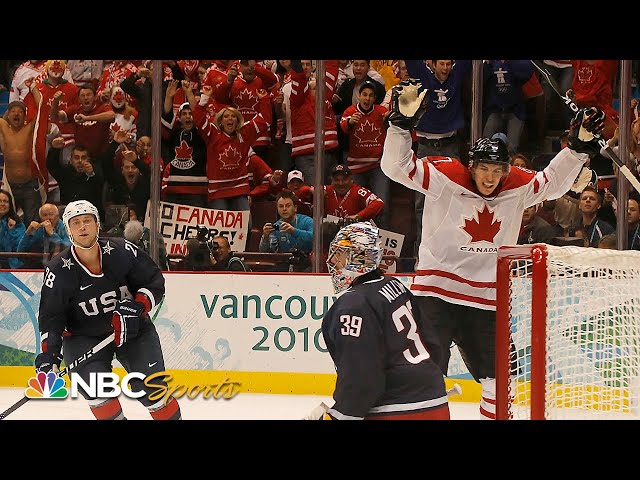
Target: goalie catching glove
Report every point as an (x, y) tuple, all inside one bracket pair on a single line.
[(126, 320), (586, 130), (407, 105)]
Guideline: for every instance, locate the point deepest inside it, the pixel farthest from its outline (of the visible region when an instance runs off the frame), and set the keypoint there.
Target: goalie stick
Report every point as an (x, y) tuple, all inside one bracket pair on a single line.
[(88, 354), (601, 141), (455, 390), (319, 411)]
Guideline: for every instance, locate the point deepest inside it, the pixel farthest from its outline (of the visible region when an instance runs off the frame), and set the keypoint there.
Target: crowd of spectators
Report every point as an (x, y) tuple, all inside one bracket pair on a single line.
[(238, 132)]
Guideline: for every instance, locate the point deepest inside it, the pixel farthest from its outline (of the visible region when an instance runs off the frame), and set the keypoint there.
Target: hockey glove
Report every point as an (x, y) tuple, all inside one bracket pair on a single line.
[(46, 362), (126, 320), (586, 130), (407, 106)]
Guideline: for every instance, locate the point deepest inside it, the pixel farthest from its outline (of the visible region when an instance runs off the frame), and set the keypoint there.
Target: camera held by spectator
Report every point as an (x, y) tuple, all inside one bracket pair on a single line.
[(200, 250)]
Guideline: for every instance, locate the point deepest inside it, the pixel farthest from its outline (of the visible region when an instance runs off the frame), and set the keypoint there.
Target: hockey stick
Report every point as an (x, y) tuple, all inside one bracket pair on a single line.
[(89, 353), (601, 141), (455, 390), (317, 412)]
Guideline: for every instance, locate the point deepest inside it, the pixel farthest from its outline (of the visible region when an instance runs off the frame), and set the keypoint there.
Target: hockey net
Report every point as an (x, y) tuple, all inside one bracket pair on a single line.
[(567, 333)]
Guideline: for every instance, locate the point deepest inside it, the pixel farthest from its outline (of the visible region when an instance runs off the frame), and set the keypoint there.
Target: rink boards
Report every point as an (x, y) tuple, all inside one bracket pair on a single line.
[(261, 330)]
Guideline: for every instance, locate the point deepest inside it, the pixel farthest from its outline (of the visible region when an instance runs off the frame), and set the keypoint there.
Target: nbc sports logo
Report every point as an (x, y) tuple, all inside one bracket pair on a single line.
[(99, 384), (46, 385)]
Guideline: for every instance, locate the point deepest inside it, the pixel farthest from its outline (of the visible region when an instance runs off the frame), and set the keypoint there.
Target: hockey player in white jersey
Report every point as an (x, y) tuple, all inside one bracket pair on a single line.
[(470, 211)]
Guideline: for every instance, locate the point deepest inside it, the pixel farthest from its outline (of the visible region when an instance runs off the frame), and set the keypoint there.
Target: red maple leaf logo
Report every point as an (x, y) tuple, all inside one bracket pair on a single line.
[(585, 73), (484, 229), (118, 96), (115, 127), (367, 132), (246, 99), (184, 151), (230, 158)]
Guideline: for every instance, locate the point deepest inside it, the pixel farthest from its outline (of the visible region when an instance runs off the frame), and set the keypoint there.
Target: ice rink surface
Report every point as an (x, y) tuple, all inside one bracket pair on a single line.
[(244, 406)]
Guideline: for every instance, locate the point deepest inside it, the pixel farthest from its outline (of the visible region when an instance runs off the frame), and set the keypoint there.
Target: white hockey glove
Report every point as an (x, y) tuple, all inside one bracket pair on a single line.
[(317, 413), (407, 105)]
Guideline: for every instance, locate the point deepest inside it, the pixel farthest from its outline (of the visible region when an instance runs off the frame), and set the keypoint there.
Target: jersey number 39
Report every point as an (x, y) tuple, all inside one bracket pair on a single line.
[(351, 326)]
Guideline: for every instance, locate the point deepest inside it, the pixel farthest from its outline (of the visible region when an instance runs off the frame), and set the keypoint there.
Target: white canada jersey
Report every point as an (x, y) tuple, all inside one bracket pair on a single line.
[(461, 230)]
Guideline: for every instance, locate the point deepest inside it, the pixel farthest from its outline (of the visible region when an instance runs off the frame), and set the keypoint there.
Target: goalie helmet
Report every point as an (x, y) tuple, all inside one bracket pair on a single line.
[(79, 207), (355, 250), (487, 150)]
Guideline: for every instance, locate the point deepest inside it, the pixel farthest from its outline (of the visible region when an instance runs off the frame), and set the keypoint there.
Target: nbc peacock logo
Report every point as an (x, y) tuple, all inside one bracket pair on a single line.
[(45, 386)]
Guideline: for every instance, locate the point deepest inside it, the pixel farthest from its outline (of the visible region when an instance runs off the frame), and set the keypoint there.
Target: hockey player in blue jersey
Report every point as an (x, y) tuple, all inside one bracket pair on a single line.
[(92, 289), (386, 357)]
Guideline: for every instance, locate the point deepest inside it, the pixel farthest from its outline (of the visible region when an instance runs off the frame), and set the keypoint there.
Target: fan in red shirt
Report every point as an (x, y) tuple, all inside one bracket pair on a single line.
[(295, 183), (346, 199), (264, 181), (228, 140), (241, 93), (90, 119), (592, 87)]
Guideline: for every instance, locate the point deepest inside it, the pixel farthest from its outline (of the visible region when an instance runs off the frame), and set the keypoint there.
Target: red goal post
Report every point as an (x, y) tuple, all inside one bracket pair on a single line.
[(567, 333)]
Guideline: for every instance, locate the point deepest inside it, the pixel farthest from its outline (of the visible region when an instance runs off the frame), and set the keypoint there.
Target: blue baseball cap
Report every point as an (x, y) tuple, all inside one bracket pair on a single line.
[(500, 136)]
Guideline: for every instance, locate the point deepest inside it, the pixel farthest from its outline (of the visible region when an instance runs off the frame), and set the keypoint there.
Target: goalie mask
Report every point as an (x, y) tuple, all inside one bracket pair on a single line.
[(79, 207), (355, 250)]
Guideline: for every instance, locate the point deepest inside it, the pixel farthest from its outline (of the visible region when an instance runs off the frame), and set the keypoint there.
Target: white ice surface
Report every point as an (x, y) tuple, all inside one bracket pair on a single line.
[(244, 406)]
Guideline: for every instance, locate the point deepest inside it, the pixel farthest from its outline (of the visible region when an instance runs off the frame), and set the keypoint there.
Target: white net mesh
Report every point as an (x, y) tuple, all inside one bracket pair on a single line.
[(592, 336)]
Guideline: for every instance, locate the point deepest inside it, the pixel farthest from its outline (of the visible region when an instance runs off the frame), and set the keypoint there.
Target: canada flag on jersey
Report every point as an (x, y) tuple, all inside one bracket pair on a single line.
[(482, 226)]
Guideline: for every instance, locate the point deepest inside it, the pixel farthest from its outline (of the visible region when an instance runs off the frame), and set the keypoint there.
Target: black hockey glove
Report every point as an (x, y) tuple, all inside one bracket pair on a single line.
[(407, 106), (46, 361), (126, 320), (585, 130)]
